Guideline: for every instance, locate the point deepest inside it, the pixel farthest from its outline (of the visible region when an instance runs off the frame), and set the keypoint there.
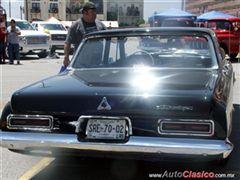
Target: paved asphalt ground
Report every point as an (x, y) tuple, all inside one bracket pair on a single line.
[(16, 166), (13, 77)]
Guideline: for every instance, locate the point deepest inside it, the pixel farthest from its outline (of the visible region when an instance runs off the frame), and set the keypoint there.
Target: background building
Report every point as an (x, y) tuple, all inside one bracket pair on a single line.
[(199, 7), (66, 10), (125, 12)]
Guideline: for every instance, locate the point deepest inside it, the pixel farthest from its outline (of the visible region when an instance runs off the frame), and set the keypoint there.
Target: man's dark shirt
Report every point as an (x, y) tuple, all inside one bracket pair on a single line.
[(79, 28), (89, 27)]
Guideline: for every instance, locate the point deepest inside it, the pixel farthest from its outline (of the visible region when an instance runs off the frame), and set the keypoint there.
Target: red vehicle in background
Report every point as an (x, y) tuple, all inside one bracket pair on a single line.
[(228, 33)]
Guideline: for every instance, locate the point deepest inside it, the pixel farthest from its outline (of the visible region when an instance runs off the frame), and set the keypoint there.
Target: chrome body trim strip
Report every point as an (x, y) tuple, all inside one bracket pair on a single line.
[(135, 144)]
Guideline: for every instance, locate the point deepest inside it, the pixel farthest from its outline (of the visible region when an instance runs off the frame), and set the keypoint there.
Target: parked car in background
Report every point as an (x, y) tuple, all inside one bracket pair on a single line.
[(57, 32), (228, 33), (32, 41), (67, 24), (111, 24), (130, 93), (178, 22)]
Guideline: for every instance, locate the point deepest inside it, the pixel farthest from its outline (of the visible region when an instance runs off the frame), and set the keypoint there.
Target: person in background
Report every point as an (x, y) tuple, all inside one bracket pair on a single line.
[(88, 23), (13, 32), (2, 45)]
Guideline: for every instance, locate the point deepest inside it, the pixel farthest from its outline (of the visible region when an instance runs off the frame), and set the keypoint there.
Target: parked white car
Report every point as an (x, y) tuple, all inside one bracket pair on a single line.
[(57, 32), (31, 40)]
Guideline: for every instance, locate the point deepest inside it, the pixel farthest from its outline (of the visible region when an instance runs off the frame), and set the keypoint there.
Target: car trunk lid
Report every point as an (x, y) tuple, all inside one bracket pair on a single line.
[(152, 92)]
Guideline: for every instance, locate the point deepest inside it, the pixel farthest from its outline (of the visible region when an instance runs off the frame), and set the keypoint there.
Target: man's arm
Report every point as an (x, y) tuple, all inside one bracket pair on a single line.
[(18, 32), (67, 47)]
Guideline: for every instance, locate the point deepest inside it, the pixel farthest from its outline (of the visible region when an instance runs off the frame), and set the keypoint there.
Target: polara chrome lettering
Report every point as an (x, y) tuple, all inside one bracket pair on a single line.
[(177, 108)]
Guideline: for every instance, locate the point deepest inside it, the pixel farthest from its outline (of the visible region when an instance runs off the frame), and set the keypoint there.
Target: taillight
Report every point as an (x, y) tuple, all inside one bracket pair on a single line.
[(30, 122), (186, 127)]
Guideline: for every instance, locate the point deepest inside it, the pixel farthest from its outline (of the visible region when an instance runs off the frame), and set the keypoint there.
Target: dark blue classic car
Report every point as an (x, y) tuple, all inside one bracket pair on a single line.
[(150, 92)]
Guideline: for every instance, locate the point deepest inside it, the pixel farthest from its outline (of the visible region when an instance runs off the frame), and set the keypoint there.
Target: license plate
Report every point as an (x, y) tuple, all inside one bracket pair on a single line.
[(106, 129)]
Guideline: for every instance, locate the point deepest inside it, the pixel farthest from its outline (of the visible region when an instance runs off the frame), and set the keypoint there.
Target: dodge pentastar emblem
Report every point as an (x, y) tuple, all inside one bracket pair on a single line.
[(104, 105)]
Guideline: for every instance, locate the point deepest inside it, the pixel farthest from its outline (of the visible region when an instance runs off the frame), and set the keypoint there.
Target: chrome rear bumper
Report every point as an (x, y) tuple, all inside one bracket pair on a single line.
[(152, 145)]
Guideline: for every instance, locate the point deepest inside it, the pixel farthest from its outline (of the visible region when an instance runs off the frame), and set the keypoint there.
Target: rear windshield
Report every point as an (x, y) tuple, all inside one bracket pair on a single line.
[(175, 51)]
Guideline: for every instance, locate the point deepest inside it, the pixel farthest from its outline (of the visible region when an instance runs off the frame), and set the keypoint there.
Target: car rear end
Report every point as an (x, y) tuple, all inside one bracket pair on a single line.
[(152, 99)]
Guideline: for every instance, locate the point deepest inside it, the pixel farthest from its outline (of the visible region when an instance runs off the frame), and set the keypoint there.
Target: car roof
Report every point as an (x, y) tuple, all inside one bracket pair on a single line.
[(151, 30)]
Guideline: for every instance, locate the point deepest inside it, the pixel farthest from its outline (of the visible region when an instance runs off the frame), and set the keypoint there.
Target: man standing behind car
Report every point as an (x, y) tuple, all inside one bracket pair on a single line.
[(13, 42), (88, 23)]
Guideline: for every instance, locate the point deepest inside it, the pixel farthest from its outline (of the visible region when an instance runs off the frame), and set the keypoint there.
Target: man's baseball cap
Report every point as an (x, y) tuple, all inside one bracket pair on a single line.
[(88, 5)]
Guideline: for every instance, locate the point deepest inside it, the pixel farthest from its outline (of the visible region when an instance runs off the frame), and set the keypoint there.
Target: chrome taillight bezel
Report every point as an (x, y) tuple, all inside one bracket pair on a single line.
[(209, 123), (47, 118)]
